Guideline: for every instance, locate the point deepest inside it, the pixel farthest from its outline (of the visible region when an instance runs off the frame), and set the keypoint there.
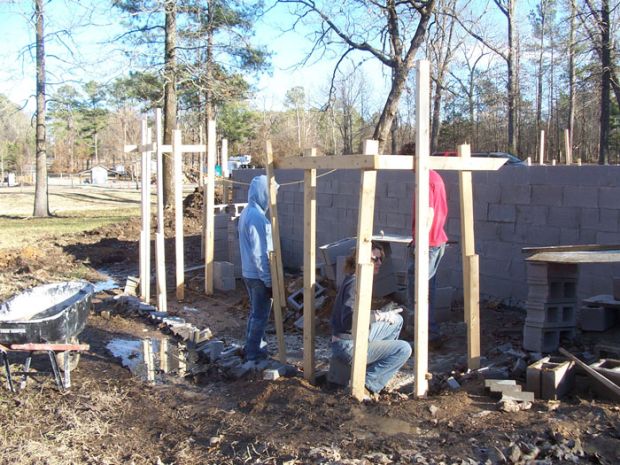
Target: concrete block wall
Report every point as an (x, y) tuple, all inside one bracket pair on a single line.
[(515, 207)]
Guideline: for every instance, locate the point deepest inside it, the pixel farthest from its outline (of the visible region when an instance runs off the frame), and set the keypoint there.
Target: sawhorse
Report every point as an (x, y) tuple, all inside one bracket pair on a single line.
[(52, 350)]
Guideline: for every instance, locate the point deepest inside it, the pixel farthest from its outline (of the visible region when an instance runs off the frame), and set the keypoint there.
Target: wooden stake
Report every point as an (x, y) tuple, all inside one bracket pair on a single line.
[(309, 268), (541, 155), (209, 203), (178, 213), (224, 160), (568, 147), (364, 275), (421, 225), (275, 258), (145, 246), (160, 255), (470, 264), (147, 351)]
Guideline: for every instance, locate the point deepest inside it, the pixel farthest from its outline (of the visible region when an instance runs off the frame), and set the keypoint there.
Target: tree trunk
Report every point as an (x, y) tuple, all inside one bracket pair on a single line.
[(391, 106), (41, 207), (170, 98), (605, 83), (512, 79), (571, 75)]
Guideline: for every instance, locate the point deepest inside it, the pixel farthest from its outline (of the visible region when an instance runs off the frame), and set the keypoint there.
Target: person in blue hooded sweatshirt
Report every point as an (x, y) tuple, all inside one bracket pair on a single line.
[(255, 242)]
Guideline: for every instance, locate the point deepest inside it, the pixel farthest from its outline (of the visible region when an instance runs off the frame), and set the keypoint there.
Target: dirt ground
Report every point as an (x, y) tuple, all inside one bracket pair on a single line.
[(111, 416)]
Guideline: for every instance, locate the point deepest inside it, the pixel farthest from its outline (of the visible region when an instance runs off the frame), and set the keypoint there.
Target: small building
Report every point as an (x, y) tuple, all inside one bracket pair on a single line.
[(98, 175)]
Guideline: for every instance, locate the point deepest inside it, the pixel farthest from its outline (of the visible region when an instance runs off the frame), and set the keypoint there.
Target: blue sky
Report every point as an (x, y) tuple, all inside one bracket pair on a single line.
[(101, 62)]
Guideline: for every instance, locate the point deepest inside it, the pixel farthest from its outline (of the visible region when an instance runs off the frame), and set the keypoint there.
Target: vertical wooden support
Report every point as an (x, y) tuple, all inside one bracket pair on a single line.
[(145, 243), (471, 287), (224, 159), (160, 255), (568, 146), (209, 205), (275, 257), (541, 155), (177, 155), (309, 267), (201, 163), (364, 275), (421, 225)]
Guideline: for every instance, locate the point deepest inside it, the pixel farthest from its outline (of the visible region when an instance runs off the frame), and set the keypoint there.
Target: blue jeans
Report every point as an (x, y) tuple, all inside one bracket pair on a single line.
[(260, 308), (386, 353), (434, 257)]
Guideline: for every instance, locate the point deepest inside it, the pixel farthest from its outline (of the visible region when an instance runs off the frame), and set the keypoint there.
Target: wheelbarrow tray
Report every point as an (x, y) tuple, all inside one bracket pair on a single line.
[(49, 313)]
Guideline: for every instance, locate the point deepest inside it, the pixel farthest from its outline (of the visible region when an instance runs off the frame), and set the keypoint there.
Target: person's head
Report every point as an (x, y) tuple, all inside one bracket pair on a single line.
[(258, 191), (376, 257)]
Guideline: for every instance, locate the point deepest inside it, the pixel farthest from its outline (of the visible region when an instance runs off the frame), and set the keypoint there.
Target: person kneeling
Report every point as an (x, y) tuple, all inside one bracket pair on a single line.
[(386, 353)]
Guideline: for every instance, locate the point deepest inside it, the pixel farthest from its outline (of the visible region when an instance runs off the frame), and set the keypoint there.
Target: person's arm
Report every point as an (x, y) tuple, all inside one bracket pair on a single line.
[(260, 254)]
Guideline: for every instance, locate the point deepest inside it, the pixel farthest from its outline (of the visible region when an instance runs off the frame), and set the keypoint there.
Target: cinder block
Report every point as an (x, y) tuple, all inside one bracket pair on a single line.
[(550, 377), (296, 299), (610, 368), (538, 338), (598, 318), (332, 251), (339, 372), (224, 276), (559, 314)]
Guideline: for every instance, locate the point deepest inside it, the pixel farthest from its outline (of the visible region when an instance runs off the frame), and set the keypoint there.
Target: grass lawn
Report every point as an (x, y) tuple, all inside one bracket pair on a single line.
[(74, 209)]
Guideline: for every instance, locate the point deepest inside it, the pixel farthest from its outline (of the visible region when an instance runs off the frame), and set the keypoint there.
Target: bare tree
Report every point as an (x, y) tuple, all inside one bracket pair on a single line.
[(170, 96), (376, 28), (41, 206)]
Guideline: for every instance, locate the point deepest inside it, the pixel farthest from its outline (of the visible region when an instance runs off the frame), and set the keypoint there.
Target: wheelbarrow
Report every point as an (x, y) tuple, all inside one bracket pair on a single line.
[(46, 318)]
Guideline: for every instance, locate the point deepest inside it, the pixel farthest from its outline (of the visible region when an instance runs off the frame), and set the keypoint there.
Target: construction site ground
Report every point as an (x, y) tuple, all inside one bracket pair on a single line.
[(112, 416)]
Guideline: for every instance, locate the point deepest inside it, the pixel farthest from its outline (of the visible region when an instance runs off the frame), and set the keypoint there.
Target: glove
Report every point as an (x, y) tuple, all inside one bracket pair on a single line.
[(389, 317)]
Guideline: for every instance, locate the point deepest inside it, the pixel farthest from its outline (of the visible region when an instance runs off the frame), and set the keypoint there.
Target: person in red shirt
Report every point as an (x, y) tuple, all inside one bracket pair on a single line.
[(438, 205)]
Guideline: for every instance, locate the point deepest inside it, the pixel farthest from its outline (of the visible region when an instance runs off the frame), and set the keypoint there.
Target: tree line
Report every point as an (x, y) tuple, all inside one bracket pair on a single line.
[(502, 72)]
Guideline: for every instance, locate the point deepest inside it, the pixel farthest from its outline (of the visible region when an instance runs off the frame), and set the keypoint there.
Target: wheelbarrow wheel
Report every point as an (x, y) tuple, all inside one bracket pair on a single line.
[(74, 357)]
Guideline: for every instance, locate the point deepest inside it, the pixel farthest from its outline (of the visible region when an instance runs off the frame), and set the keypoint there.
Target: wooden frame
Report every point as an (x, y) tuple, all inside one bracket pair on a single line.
[(369, 163)]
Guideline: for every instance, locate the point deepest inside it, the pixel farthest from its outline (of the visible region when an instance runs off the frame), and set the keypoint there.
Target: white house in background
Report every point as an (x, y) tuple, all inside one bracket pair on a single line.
[(98, 175)]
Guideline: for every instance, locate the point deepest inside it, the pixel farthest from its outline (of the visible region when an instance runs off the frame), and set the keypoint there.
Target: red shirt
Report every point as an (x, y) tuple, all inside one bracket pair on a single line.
[(439, 203)]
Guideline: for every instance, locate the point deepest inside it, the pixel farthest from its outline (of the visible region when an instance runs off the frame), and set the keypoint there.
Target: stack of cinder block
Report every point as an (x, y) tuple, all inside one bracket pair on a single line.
[(551, 305), (224, 276), (550, 377)]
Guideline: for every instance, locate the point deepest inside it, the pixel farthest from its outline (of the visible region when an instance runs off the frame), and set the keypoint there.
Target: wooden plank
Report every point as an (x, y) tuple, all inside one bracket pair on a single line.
[(471, 296), (309, 268), (571, 248), (178, 214), (389, 162), (364, 277), (541, 153), (160, 254), (568, 147), (209, 202), (273, 211), (31, 347), (277, 272), (471, 285), (602, 256), (422, 167), (593, 373), (224, 159), (145, 235)]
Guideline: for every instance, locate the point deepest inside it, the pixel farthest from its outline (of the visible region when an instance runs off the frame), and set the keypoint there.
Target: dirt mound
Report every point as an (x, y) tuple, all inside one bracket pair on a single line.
[(193, 203)]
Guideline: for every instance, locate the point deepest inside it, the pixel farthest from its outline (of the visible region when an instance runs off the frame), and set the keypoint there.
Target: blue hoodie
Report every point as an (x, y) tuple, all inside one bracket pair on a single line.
[(255, 240)]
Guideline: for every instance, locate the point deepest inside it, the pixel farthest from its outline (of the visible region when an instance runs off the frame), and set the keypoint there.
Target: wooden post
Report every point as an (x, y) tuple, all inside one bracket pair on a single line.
[(147, 350), (541, 155), (470, 261), (160, 255), (421, 225), (178, 213), (364, 274), (568, 147), (209, 205), (201, 164), (145, 244), (309, 267), (224, 159), (275, 257)]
